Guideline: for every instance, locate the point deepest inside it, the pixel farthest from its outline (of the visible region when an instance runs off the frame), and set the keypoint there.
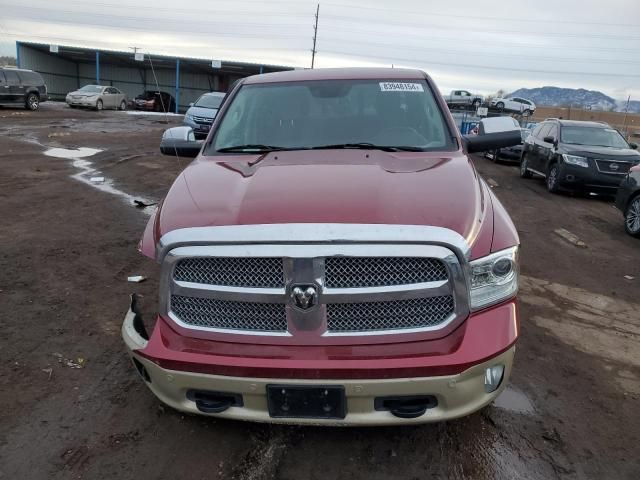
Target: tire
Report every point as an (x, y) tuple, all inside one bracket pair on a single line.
[(496, 154), (527, 113), (475, 104), (552, 178), (524, 163), (500, 106), (99, 105), (123, 105), (32, 102), (632, 217)]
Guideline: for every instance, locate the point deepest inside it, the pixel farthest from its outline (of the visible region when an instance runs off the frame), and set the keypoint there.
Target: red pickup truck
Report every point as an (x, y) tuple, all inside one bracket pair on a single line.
[(330, 257)]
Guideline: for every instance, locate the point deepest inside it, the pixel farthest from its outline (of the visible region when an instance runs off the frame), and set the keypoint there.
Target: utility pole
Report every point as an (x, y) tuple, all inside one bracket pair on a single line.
[(315, 37)]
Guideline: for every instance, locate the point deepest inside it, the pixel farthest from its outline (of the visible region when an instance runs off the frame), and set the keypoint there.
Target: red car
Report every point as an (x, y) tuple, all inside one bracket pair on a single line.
[(155, 101), (330, 257)]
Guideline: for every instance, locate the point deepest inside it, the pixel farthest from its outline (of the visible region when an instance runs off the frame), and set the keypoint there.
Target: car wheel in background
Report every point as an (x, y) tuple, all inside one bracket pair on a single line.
[(632, 217), (99, 105), (527, 113), (476, 103), (500, 106), (32, 102), (552, 178), (524, 165), (123, 105)]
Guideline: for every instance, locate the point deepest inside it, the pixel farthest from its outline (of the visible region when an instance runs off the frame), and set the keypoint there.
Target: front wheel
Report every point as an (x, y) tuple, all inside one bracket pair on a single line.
[(99, 105), (123, 105), (32, 102), (476, 103), (632, 217), (552, 178), (500, 106), (524, 168)]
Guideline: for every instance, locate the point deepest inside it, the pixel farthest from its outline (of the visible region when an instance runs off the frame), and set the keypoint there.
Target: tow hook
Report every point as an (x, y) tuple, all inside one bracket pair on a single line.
[(407, 406)]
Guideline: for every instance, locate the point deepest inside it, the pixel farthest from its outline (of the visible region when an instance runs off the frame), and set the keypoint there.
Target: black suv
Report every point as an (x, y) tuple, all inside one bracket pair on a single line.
[(582, 156), (22, 87)]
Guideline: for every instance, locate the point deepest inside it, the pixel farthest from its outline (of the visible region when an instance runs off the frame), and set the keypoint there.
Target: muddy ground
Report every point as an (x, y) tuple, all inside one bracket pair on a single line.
[(67, 246)]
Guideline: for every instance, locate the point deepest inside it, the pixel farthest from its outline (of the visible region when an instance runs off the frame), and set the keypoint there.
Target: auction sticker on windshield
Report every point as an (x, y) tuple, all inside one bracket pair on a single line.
[(400, 87)]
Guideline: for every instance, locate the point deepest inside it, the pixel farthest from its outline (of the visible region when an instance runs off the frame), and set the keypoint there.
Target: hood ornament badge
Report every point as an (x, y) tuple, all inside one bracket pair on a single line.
[(304, 296)]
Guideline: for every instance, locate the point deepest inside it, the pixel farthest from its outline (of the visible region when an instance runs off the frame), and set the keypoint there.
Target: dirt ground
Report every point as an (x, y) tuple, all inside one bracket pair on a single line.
[(67, 246)]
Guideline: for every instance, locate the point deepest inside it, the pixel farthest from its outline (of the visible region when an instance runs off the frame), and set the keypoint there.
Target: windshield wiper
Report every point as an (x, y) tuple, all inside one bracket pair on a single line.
[(368, 146), (253, 148)]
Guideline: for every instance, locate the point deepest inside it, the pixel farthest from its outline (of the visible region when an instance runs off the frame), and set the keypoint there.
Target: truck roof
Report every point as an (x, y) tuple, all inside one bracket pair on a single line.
[(338, 74)]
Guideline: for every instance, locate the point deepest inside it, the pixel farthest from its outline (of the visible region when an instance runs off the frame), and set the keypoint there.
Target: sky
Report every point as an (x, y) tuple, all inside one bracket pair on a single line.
[(482, 46)]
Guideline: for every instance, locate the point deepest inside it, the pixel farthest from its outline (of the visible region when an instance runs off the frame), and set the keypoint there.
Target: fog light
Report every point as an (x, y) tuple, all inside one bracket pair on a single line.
[(493, 378)]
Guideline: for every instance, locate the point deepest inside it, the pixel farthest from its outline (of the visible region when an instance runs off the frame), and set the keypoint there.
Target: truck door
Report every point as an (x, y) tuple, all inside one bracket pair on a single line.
[(535, 162), (16, 89), (4, 89), (548, 149)]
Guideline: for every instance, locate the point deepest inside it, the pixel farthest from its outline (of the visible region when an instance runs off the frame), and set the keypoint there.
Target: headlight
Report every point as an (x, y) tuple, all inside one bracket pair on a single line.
[(576, 160), (188, 116), (494, 278)]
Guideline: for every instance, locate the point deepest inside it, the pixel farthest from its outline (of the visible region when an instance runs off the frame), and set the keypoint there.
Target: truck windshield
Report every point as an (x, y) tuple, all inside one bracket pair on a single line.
[(593, 136), (91, 89), (336, 113), (209, 101)]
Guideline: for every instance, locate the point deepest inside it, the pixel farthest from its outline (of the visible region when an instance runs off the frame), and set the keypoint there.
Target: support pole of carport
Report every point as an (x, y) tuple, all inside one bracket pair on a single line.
[(97, 67), (177, 84), (18, 54)]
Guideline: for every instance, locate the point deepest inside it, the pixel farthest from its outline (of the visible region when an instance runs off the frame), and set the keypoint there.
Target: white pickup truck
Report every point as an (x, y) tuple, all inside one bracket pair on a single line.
[(463, 98)]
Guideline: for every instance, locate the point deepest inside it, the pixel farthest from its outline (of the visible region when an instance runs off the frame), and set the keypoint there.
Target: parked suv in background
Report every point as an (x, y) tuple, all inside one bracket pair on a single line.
[(573, 155), (201, 113), (22, 87), (514, 104), (628, 201)]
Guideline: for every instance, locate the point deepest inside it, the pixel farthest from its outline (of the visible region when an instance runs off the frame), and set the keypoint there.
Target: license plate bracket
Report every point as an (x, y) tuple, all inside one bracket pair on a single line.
[(306, 401)]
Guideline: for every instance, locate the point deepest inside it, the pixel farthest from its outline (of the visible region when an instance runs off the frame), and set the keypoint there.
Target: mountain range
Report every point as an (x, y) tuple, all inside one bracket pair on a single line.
[(581, 98)]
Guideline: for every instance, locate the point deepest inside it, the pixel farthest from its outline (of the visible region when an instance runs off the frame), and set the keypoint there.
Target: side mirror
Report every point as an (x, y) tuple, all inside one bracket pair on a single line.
[(180, 141), (634, 146), (491, 141)]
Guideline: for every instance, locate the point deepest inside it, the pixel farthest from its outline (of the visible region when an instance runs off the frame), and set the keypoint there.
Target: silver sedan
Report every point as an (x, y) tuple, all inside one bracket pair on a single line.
[(98, 97)]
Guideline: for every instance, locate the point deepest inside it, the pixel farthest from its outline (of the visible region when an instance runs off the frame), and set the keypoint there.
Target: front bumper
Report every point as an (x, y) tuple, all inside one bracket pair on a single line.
[(173, 365), (589, 179), (81, 102), (201, 130)]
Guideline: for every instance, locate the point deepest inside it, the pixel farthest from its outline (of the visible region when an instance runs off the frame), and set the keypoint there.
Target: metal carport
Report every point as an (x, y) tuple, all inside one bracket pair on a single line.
[(186, 78)]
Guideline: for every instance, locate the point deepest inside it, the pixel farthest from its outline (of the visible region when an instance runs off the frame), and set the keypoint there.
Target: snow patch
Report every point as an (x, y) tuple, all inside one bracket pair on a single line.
[(71, 152), (88, 173)]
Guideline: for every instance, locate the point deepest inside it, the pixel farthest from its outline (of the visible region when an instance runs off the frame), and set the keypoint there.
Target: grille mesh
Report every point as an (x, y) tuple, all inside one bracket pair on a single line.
[(211, 313), (354, 272), (258, 272), (390, 315)]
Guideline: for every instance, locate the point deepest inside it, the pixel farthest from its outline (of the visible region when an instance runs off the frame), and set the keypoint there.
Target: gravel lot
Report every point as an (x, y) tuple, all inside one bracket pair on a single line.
[(67, 246)]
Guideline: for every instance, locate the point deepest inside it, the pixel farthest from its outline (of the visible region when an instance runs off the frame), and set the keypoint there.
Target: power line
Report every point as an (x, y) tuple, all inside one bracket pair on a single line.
[(523, 56), (483, 67), (465, 30), (479, 17)]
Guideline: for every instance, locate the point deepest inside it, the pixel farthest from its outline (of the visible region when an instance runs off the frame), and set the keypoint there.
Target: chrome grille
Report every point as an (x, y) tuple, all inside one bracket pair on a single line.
[(202, 119), (223, 314), (391, 315), (354, 272), (620, 168), (257, 272)]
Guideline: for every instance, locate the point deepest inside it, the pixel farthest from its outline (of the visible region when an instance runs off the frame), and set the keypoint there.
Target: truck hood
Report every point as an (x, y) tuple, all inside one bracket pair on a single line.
[(328, 186), (202, 112), (602, 152)]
